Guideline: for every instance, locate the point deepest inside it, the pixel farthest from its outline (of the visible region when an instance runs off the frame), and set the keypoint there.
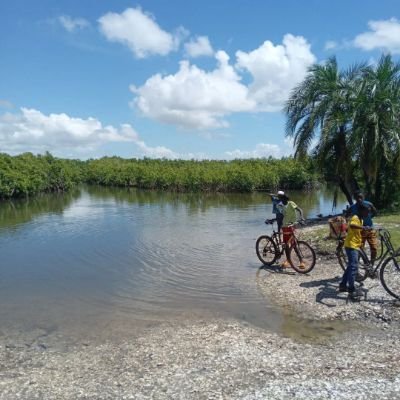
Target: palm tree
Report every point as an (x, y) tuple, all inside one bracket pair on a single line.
[(376, 128), (319, 114)]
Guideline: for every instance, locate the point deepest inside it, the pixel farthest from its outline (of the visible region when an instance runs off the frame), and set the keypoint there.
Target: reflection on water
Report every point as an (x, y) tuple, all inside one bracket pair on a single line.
[(21, 211), (105, 260)]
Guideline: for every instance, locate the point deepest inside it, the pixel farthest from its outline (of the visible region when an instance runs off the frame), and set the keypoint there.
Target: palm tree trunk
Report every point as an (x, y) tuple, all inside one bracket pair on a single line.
[(345, 190)]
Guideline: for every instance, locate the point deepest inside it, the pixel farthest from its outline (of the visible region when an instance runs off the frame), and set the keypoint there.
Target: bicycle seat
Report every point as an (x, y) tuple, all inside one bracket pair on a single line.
[(269, 221)]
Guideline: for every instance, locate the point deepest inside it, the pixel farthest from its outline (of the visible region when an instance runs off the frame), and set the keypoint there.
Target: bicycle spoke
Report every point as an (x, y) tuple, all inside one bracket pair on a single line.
[(266, 250), (302, 256)]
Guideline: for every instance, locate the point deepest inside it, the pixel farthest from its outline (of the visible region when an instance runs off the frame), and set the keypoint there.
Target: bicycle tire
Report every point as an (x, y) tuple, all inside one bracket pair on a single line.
[(341, 256), (300, 252), (390, 277), (363, 262), (379, 250), (266, 249), (364, 266), (379, 253)]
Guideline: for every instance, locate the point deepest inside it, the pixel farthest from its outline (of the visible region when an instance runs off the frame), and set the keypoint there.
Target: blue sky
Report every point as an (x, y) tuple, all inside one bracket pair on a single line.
[(175, 79)]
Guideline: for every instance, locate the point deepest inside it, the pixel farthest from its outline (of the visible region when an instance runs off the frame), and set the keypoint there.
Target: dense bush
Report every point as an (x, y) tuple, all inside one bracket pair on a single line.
[(207, 175), (26, 174)]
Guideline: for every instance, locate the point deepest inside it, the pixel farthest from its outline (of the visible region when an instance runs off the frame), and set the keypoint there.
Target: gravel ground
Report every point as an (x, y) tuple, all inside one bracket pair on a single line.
[(217, 360), (315, 295), (220, 359)]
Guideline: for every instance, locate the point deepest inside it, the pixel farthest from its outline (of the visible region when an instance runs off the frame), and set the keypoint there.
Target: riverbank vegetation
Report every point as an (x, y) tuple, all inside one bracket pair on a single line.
[(207, 175), (27, 174)]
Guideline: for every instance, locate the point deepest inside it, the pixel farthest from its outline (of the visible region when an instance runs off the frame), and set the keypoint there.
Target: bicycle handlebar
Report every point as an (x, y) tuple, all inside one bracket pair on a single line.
[(271, 221)]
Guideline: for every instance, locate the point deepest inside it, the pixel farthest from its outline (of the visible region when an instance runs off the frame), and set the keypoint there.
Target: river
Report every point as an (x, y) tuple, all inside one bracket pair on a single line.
[(100, 262)]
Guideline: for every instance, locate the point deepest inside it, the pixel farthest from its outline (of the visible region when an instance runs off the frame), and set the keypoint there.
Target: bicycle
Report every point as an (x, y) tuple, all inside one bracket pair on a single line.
[(340, 236), (270, 248), (388, 266)]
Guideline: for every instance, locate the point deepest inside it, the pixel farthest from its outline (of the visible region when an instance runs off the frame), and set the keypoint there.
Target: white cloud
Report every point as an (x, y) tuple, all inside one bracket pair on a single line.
[(31, 130), (276, 70), (262, 150), (384, 34), (194, 98), (199, 47), (156, 152), (73, 24), (140, 32), (330, 45)]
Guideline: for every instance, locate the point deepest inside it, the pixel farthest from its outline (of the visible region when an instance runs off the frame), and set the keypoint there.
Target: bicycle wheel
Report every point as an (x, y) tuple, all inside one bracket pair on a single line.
[(301, 256), (266, 250), (379, 250), (341, 256), (364, 266), (390, 277)]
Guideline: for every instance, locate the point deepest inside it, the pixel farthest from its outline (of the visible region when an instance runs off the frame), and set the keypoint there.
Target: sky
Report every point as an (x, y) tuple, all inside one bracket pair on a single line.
[(173, 79)]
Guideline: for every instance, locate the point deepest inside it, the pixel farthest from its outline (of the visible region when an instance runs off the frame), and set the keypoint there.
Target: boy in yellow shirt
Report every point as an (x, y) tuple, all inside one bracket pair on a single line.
[(352, 244)]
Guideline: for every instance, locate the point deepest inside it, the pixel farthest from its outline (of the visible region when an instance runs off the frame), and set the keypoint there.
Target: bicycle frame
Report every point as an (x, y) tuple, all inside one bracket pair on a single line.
[(277, 238), (384, 237)]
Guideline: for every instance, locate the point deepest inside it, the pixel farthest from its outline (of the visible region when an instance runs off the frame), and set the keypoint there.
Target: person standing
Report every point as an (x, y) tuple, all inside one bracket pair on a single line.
[(367, 235), (352, 244), (276, 200), (292, 214)]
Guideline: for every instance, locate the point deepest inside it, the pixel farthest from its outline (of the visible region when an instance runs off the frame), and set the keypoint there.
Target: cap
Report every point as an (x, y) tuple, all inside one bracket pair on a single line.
[(281, 193)]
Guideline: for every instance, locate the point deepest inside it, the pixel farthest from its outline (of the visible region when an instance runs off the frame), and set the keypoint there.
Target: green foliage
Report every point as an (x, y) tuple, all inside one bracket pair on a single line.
[(353, 116), (26, 174), (207, 175)]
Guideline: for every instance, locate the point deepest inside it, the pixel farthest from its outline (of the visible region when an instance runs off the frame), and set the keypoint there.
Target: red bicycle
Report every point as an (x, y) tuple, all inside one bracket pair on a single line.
[(301, 255)]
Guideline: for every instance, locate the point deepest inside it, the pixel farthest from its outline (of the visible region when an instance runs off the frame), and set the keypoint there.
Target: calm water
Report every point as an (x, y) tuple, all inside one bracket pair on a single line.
[(100, 262)]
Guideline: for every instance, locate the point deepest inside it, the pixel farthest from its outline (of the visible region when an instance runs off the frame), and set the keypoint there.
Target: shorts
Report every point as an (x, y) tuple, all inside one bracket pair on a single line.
[(287, 233)]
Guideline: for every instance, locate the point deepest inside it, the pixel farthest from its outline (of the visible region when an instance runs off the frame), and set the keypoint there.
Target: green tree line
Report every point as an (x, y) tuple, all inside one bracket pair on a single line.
[(27, 174)]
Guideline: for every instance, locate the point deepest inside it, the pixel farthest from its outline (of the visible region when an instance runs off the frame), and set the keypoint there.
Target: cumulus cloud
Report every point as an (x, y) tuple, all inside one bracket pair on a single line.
[(73, 24), (140, 32), (199, 47), (262, 150), (194, 98), (31, 130), (276, 70), (383, 34)]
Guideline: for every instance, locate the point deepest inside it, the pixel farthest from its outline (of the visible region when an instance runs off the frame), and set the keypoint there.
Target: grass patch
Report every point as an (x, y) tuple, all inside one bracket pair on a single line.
[(392, 224), (318, 237)]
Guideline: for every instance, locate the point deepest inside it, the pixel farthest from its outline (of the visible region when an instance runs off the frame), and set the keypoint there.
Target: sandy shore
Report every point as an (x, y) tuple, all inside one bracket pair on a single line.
[(223, 359)]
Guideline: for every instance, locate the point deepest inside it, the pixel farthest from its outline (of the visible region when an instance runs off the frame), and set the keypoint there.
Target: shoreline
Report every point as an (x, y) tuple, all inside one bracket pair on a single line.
[(328, 349)]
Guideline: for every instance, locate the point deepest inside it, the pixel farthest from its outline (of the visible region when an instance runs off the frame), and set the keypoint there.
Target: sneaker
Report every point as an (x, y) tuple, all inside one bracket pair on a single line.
[(285, 264), (343, 288), (302, 266)]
